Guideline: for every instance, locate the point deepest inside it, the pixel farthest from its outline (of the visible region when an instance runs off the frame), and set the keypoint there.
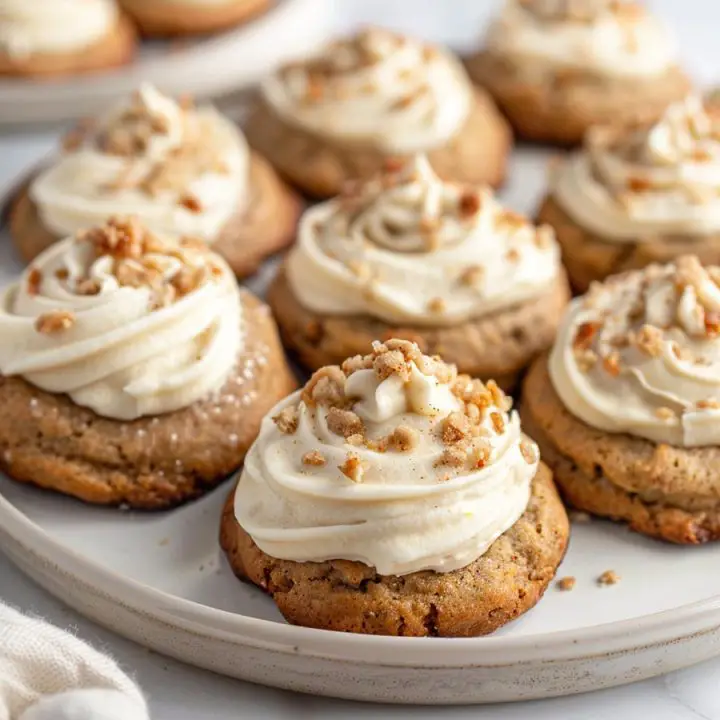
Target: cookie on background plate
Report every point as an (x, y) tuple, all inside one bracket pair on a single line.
[(637, 195), (163, 18), (133, 370), (393, 497), (626, 408), (182, 170), (342, 113), (557, 68), (406, 254), (52, 38)]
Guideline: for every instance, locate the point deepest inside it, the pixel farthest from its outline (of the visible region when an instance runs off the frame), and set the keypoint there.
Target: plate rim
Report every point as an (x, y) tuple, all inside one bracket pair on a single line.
[(621, 637)]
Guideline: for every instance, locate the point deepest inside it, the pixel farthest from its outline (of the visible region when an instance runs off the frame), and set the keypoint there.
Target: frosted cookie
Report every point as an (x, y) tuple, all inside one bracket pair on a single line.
[(182, 170), (50, 38), (133, 370), (626, 409), (393, 497), (191, 17), (407, 254), (339, 115), (633, 196), (558, 67)]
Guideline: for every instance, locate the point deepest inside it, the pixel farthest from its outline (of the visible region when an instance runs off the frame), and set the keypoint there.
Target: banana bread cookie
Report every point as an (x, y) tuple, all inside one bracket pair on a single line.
[(393, 497)]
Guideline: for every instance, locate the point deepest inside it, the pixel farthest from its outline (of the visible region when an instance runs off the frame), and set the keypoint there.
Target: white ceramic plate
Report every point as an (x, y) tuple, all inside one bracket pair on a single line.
[(160, 579), (205, 68)]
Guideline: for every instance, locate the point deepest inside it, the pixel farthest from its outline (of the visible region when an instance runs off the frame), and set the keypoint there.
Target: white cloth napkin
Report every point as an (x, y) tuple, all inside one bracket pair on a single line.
[(48, 674)]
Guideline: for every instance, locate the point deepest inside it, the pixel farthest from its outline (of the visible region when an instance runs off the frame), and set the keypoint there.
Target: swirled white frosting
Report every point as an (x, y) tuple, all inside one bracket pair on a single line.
[(29, 27), (406, 513), (617, 39), (629, 186), (121, 355), (194, 154), (377, 88), (641, 355), (411, 248)]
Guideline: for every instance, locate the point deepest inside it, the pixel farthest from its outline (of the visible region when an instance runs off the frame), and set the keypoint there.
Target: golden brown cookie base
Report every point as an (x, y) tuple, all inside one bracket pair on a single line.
[(163, 18), (117, 48), (659, 490), (499, 346), (265, 225), (559, 108), (588, 258), (153, 462), (477, 154), (476, 600)]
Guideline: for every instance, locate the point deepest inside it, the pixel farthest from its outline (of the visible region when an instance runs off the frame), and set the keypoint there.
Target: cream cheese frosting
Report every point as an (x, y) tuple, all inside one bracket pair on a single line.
[(181, 171), (609, 37), (392, 461), (125, 323), (635, 185), (29, 27), (640, 354), (407, 247), (377, 88)]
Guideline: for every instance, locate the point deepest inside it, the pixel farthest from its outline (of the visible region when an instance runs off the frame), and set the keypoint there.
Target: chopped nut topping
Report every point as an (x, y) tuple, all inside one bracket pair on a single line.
[(352, 468), (287, 420), (437, 305), (452, 457), (498, 422), (455, 428), (664, 413), (611, 364), (710, 404), (639, 184), (498, 396), (356, 440), (355, 363), (88, 286), (344, 422), (649, 340), (472, 276), (470, 204), (62, 274), (403, 439), (566, 584), (54, 322), (712, 324), (325, 387), (34, 280), (609, 577), (191, 203), (480, 455), (314, 457), (390, 363), (586, 360), (511, 220), (585, 335), (529, 451)]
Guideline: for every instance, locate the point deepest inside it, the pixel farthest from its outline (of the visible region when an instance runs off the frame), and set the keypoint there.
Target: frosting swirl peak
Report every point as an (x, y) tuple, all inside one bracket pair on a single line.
[(392, 460), (640, 354), (124, 322), (631, 184), (407, 247), (378, 88)]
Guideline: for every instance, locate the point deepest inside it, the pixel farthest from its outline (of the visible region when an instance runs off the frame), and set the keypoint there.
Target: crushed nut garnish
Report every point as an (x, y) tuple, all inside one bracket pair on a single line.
[(611, 364), (287, 420), (469, 204), (472, 276), (480, 455), (62, 274), (437, 305), (609, 577), (585, 334), (54, 322), (403, 439), (649, 340), (34, 280), (344, 422), (352, 468), (497, 422), (87, 286), (529, 451), (191, 203), (567, 583), (325, 387), (452, 457), (709, 404), (586, 360), (314, 457), (390, 363), (712, 324)]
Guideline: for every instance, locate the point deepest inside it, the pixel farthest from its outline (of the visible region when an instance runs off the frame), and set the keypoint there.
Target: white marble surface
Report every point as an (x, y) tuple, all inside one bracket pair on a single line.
[(178, 692)]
